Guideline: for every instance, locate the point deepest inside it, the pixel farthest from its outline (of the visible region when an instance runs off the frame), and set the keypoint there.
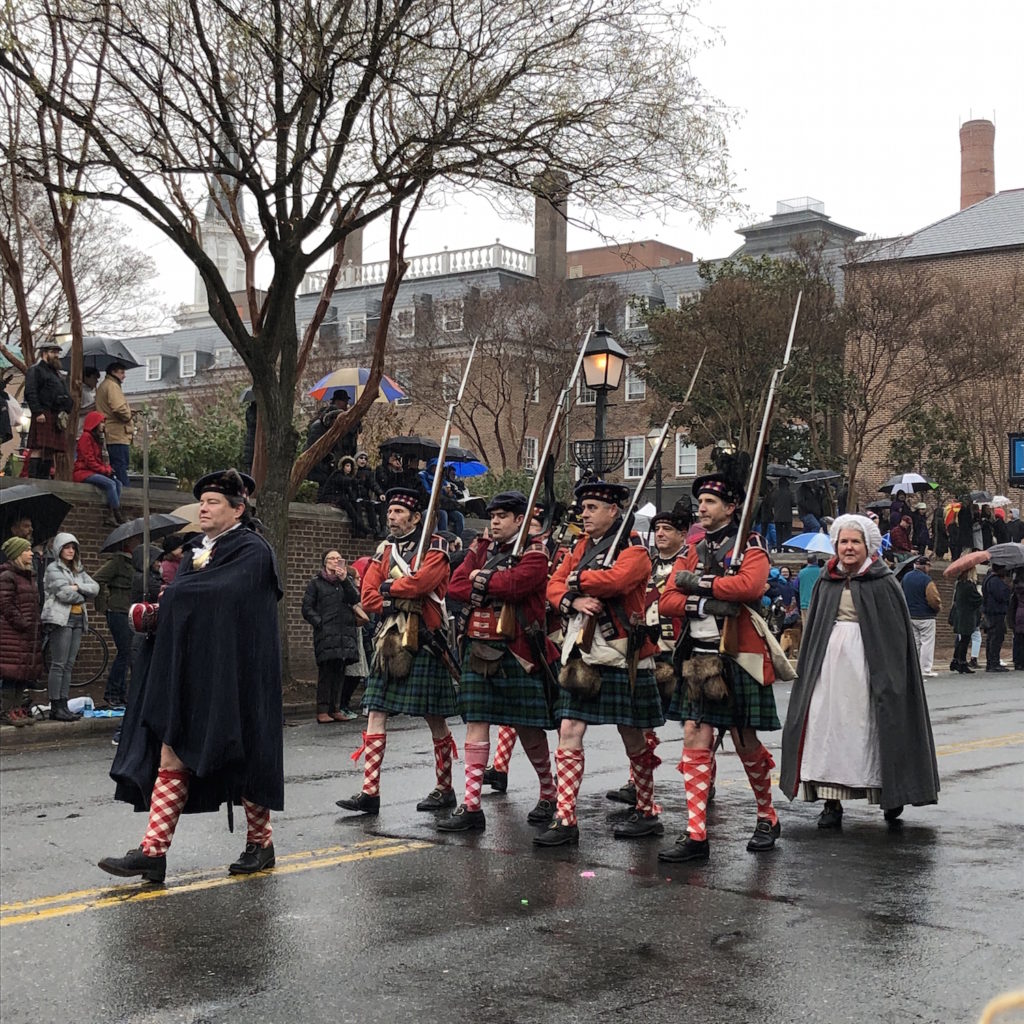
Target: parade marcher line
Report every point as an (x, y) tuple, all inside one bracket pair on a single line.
[(63, 904)]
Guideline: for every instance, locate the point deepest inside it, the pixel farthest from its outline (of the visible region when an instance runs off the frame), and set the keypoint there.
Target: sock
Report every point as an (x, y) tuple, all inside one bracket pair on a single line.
[(651, 739), (259, 830), (170, 791), (758, 766), (373, 746), (444, 749), (540, 758), (696, 769), (476, 761), (642, 767), (506, 744), (569, 764)]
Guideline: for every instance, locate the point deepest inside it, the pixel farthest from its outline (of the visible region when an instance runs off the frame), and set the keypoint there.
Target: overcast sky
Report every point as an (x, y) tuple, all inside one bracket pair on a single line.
[(857, 105)]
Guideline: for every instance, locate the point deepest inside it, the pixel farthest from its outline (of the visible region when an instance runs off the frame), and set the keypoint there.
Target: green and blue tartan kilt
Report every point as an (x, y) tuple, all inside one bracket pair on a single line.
[(512, 696), (751, 706), (614, 704), (427, 690)]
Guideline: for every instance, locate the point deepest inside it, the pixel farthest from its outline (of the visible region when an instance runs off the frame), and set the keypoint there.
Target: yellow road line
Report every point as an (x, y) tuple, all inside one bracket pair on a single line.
[(66, 904), (1011, 739)]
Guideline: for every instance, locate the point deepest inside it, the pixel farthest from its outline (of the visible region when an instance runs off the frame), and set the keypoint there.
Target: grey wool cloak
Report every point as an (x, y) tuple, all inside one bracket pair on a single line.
[(910, 774)]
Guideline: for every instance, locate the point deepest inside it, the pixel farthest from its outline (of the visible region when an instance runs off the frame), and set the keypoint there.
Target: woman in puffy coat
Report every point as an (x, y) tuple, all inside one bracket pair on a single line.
[(21, 651), (67, 586), (92, 468), (327, 607)]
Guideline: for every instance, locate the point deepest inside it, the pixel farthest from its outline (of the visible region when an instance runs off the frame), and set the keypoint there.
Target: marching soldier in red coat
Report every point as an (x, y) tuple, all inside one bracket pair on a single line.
[(612, 683), (404, 681), (503, 676), (669, 530), (719, 689)]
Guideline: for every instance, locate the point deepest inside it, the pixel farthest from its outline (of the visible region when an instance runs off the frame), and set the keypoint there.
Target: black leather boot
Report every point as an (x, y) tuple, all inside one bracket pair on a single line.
[(59, 712), (135, 862)]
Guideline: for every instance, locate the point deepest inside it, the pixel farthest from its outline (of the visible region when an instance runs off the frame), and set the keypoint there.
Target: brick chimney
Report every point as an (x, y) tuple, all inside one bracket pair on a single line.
[(549, 226), (977, 162)]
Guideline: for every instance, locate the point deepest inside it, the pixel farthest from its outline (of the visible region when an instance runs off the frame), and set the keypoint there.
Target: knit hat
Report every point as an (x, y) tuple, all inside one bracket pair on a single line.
[(14, 547)]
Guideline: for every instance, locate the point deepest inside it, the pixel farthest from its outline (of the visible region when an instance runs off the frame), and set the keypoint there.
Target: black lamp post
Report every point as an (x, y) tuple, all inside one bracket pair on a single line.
[(603, 363)]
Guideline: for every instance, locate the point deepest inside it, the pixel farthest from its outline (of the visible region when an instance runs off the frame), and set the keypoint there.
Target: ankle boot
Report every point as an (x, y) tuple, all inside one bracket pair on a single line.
[(59, 712), (35, 471)]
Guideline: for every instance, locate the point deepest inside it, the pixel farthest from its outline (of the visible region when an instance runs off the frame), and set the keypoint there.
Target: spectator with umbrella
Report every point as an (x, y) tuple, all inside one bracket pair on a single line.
[(111, 402), (898, 508), (995, 594), (48, 398), (781, 507), (115, 597), (965, 614)]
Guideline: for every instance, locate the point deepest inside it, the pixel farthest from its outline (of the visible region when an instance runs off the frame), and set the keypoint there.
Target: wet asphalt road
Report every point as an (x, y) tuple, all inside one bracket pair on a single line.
[(385, 920)]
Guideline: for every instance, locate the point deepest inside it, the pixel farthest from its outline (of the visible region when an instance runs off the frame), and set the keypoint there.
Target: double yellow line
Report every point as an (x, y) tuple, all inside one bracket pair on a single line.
[(64, 904)]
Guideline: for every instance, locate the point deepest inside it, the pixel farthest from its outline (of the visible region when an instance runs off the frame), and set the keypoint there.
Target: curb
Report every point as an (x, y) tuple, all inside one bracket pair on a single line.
[(57, 734)]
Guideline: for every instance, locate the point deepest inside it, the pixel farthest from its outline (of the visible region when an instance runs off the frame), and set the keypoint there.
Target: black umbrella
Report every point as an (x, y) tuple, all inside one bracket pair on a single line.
[(981, 497), (1006, 556), (456, 454), (160, 525), (879, 505), (45, 509), (100, 353), (415, 445), (777, 471), (813, 476)]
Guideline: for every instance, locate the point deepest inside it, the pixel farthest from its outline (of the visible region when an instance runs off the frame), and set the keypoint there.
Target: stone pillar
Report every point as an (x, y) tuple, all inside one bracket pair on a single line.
[(549, 226)]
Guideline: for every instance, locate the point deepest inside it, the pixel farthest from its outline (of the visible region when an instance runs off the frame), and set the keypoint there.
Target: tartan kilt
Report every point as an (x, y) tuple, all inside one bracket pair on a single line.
[(510, 697), (752, 705), (614, 704), (427, 690), (47, 434)]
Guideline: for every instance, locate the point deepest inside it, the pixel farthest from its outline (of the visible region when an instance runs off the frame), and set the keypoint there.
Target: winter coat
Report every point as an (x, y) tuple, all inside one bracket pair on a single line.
[(907, 750), (965, 614), (995, 595), (115, 580), (327, 607), (21, 652), (58, 582), (1015, 614), (156, 582), (89, 458), (111, 402), (46, 391), (782, 505)]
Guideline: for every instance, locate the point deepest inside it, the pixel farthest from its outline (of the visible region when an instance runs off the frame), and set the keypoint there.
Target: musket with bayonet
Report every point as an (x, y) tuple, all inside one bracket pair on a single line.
[(507, 618), (586, 635), (410, 635), (729, 629)]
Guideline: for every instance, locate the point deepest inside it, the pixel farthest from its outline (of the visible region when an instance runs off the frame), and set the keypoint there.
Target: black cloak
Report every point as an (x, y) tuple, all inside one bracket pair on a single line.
[(212, 689), (910, 774)]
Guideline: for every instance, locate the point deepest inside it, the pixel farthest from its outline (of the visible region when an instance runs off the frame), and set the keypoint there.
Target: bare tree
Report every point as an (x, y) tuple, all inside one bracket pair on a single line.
[(319, 118)]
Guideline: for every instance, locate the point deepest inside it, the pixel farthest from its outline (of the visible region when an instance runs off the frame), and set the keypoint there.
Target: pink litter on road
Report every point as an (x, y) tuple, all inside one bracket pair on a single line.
[(587, 874)]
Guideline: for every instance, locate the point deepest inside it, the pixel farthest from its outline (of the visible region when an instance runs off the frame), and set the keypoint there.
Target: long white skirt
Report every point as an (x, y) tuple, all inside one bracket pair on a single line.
[(841, 738)]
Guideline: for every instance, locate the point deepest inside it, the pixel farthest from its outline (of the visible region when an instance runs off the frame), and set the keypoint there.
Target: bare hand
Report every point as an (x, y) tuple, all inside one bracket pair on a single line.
[(41, 418), (473, 575), (588, 605)]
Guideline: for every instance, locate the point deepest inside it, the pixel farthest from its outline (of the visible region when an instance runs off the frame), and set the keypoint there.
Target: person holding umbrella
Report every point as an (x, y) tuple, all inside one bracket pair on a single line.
[(964, 616), (857, 725), (115, 580)]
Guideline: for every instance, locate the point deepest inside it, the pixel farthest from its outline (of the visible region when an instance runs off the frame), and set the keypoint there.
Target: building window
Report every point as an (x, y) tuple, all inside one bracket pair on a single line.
[(454, 441), (535, 394), (153, 367), (187, 364), (636, 386), (686, 456), (636, 456), (586, 395), (529, 453), (222, 356), (684, 299), (575, 271), (357, 328), (451, 315), (406, 323), (449, 385), (636, 311)]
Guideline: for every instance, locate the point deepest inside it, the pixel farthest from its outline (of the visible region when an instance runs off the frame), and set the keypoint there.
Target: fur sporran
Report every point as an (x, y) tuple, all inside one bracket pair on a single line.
[(484, 659), (394, 660), (704, 678), (665, 677), (580, 679)]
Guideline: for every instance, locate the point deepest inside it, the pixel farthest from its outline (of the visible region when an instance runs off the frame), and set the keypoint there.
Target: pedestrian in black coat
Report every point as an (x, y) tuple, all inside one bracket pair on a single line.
[(328, 607), (995, 594)]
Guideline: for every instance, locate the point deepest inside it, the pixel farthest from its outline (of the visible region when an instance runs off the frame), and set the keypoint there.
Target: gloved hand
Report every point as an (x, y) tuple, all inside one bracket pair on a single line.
[(688, 582), (721, 609)]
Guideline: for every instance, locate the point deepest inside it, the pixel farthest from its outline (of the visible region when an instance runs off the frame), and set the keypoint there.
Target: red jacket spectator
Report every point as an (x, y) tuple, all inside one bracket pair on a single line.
[(89, 453)]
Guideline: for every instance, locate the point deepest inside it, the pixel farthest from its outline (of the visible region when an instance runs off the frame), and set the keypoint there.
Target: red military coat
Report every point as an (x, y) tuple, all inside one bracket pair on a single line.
[(521, 584), (744, 587), (431, 577), (624, 582)]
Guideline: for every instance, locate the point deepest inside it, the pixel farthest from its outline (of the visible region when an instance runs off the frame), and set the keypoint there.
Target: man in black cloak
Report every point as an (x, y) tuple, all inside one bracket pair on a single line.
[(205, 725)]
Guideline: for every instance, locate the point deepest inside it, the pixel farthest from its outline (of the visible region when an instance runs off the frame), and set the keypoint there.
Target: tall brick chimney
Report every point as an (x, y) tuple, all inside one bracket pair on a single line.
[(549, 226), (977, 162)]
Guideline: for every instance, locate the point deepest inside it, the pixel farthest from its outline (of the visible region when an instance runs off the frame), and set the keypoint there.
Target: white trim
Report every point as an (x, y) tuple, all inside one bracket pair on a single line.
[(686, 454), (636, 452), (154, 367), (186, 364), (636, 385), (531, 450)]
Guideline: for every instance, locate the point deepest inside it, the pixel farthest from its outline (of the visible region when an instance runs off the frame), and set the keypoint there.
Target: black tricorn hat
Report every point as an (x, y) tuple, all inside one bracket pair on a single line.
[(225, 481)]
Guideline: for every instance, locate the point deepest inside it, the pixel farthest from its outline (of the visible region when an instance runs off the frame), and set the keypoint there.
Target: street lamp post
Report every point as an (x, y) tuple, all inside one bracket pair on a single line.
[(653, 437), (603, 363)]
